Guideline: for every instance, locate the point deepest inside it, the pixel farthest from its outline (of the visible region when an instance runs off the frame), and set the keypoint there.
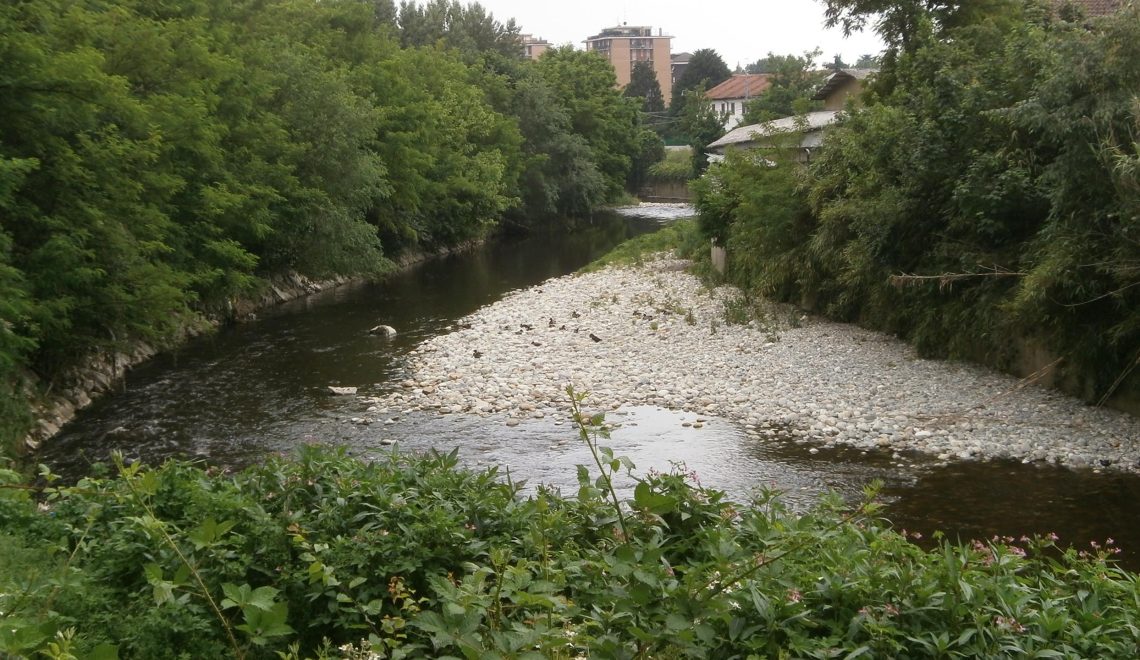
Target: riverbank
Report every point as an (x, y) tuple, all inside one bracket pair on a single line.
[(654, 335), (100, 374)]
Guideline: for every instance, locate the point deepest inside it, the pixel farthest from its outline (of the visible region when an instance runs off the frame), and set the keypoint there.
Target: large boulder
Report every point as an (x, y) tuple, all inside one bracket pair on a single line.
[(383, 331)]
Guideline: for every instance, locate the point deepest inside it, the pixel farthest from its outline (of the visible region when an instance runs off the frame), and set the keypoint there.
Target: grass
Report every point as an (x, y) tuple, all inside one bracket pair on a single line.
[(676, 166), (681, 238)]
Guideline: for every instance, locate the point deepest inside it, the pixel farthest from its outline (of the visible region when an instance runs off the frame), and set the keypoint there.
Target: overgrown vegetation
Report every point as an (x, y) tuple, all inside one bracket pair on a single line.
[(158, 158), (680, 237), (983, 201), (677, 165), (329, 556)]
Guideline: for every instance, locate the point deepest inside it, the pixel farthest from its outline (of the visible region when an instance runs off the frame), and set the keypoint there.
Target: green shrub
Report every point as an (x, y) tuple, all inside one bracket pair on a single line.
[(413, 556), (680, 237), (677, 165), (984, 198)]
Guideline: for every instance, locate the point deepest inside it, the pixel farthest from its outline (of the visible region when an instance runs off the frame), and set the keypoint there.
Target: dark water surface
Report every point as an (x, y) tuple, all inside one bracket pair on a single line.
[(261, 388)]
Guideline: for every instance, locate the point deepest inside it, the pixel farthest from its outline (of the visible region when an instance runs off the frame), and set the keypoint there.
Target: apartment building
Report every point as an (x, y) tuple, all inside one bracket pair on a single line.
[(624, 46), (534, 47)]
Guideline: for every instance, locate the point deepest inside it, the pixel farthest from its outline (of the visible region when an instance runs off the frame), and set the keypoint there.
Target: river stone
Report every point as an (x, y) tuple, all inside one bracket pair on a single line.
[(342, 391), (824, 375)]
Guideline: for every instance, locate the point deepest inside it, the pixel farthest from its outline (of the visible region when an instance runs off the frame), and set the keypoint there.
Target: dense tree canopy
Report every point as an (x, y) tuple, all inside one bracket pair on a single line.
[(984, 202), (706, 70), (792, 80), (585, 84), (157, 159), (643, 85)]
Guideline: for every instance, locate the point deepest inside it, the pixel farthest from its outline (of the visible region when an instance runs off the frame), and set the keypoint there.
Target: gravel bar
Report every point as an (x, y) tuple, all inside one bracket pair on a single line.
[(655, 335)]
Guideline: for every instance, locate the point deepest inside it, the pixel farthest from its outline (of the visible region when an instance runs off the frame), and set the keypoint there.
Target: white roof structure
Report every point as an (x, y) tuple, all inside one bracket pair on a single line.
[(810, 124)]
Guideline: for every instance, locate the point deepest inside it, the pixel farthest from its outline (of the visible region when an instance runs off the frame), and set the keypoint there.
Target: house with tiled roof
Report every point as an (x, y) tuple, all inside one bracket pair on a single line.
[(808, 129), (729, 97)]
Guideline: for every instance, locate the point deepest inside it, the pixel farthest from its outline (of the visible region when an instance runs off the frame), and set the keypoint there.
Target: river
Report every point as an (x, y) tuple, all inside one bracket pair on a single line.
[(262, 387)]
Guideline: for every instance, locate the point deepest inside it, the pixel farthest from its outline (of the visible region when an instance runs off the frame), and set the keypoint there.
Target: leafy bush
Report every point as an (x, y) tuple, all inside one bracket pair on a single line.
[(413, 556), (983, 200), (680, 237), (677, 165)]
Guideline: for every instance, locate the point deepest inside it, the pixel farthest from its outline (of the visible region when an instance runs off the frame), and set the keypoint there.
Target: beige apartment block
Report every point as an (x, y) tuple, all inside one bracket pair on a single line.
[(624, 46), (533, 47)]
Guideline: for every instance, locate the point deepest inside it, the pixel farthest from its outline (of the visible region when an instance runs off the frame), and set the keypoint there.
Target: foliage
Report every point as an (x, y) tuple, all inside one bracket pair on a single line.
[(753, 205), (649, 150), (999, 161), (584, 83), (792, 80), (680, 237), (413, 556), (703, 124), (560, 176), (1082, 283), (469, 29), (705, 70), (643, 85), (677, 165), (159, 159)]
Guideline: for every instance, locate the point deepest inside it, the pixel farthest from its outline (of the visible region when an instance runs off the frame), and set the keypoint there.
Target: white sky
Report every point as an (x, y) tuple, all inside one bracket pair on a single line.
[(741, 31)]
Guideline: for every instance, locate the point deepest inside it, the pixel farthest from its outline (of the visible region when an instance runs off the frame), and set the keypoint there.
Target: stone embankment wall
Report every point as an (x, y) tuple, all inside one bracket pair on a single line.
[(57, 404), (665, 191), (101, 373)]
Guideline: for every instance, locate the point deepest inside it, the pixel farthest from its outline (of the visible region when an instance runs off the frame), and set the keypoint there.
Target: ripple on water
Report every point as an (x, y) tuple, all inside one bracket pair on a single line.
[(719, 452)]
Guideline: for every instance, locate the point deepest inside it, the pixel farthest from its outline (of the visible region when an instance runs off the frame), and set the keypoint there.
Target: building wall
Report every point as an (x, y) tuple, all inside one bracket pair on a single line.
[(624, 51), (838, 99), (733, 109), (663, 66), (535, 50)]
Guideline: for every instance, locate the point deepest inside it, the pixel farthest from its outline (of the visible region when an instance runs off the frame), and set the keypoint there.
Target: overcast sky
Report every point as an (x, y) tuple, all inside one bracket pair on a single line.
[(742, 31)]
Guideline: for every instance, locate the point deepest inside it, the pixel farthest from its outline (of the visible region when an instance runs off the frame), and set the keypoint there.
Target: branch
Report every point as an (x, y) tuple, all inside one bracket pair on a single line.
[(947, 280)]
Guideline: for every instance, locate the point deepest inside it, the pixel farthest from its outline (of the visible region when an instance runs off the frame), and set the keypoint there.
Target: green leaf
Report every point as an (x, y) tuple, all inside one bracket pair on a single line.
[(644, 498), (263, 624), (209, 532), (104, 651), (676, 622), (262, 598)]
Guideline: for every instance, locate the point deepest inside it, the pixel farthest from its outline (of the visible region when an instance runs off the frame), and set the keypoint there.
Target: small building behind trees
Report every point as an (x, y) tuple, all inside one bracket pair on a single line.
[(837, 90), (730, 97)]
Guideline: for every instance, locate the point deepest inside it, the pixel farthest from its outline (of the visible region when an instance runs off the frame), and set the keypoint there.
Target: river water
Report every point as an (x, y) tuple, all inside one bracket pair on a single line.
[(262, 387)]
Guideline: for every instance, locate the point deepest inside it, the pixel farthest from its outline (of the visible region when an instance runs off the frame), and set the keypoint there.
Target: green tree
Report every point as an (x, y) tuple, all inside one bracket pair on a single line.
[(792, 80), (469, 29), (559, 177), (643, 85), (703, 124), (1082, 283), (584, 83), (706, 70)]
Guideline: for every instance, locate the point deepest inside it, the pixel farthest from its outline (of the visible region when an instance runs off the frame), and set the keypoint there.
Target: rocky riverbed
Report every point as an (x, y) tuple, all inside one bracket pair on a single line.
[(654, 335)]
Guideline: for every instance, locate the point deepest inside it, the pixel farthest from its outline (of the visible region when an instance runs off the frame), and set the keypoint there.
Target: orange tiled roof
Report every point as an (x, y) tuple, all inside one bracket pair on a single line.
[(744, 85)]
